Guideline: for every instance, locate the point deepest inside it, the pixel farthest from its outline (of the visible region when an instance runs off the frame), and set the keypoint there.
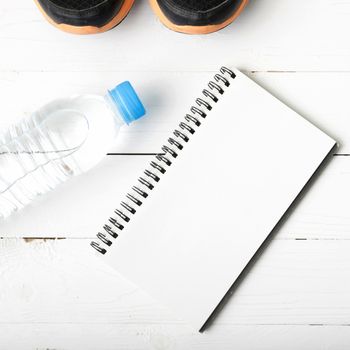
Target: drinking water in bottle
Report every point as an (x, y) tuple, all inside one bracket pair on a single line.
[(60, 140)]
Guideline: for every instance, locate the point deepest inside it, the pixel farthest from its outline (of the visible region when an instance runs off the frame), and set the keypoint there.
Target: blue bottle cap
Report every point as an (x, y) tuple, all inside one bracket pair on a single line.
[(127, 102)]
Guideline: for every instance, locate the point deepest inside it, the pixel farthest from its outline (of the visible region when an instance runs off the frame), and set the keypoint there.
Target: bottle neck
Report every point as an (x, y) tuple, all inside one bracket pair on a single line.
[(116, 114)]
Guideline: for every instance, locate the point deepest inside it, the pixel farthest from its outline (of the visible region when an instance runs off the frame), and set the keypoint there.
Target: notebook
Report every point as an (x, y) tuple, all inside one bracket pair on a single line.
[(202, 208)]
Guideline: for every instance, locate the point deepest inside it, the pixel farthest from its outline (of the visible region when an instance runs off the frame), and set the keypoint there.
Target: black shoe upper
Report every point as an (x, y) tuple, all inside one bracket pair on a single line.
[(198, 12), (95, 13)]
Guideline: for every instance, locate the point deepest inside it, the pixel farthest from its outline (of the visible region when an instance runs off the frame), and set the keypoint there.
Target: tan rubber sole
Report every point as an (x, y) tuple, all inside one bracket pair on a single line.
[(195, 29), (83, 30)]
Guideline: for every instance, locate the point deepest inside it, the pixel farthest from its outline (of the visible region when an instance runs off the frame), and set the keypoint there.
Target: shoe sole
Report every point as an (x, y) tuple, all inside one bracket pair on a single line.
[(187, 29), (83, 30)]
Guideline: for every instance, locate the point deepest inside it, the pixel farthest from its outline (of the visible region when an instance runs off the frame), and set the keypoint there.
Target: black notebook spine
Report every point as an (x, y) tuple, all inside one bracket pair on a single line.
[(158, 166)]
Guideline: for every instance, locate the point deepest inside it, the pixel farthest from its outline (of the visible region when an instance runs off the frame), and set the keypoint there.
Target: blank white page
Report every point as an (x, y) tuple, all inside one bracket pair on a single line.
[(219, 200)]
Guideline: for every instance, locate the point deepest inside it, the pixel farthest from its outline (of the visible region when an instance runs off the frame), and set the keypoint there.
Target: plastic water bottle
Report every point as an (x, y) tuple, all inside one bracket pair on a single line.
[(62, 139)]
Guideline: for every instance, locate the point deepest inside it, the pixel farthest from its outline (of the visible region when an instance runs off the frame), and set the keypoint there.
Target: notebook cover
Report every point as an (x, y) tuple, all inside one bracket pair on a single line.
[(219, 200)]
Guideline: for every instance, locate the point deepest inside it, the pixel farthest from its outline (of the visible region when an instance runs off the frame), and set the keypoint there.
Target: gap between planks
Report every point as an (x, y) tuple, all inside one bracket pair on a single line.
[(179, 323), (155, 154), (45, 239)]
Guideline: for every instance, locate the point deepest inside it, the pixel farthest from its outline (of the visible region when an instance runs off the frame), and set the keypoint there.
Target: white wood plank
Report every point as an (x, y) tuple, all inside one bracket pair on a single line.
[(171, 337), (269, 35), (56, 282), (320, 97), (321, 214)]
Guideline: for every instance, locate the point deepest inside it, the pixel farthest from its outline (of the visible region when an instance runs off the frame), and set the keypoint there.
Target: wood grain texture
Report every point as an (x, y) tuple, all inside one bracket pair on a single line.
[(269, 35), (322, 214), (171, 337), (59, 295), (54, 294), (322, 98), (294, 282)]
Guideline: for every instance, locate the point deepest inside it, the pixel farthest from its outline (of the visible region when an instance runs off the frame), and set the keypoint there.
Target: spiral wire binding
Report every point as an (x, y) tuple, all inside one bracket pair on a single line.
[(159, 165)]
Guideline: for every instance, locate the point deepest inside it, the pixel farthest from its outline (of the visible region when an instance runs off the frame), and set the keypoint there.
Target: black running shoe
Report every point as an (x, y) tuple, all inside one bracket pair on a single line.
[(85, 16), (197, 16)]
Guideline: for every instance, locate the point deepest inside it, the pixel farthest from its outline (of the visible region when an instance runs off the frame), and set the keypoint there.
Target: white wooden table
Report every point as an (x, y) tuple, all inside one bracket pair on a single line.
[(54, 294)]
